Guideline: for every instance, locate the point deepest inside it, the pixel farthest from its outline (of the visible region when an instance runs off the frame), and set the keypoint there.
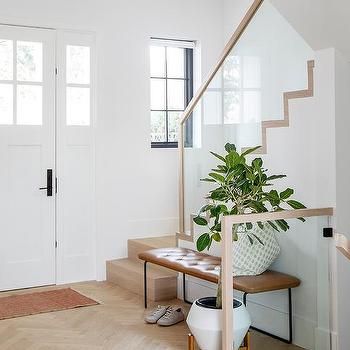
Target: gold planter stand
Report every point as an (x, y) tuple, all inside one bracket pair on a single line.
[(245, 346)]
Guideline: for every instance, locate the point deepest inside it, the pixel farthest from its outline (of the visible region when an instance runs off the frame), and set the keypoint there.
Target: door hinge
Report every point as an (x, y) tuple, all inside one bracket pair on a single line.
[(56, 71), (56, 244), (56, 184)]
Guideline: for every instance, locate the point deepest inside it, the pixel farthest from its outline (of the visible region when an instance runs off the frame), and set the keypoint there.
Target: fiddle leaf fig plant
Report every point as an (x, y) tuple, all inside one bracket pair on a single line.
[(241, 187)]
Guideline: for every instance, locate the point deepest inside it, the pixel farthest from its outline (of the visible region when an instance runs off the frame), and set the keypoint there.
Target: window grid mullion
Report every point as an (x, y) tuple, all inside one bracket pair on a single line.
[(14, 71), (169, 78), (166, 96), (84, 86), (164, 110)]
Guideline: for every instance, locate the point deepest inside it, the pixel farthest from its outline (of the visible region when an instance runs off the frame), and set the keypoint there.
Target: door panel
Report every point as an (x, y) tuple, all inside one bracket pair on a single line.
[(27, 150), (76, 260)]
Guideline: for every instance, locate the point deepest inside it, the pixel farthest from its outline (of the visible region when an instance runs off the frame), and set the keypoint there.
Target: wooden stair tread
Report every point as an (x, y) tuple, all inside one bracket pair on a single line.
[(157, 242)]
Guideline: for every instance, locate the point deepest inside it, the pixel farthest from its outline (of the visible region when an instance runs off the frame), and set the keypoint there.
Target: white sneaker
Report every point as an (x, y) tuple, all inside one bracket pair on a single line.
[(172, 316), (154, 315)]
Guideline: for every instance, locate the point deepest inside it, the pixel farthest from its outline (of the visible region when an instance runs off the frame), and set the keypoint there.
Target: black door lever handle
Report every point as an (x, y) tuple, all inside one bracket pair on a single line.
[(48, 187)]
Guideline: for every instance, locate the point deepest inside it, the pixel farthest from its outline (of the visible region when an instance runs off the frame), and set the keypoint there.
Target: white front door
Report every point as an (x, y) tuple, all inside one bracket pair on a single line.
[(27, 157)]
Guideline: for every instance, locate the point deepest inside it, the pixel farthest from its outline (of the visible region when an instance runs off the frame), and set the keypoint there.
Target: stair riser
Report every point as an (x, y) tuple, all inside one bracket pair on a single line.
[(135, 247), (162, 288)]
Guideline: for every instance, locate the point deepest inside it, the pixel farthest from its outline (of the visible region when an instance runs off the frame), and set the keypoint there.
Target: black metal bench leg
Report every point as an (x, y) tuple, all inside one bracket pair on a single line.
[(290, 315), (245, 299), (145, 283), (184, 288)]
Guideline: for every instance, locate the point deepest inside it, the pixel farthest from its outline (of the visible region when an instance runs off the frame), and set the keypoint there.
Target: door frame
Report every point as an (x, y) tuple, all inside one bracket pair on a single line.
[(60, 29)]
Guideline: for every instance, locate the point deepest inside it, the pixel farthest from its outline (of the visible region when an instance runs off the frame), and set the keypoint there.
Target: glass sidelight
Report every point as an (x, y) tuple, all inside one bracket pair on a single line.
[(21, 82)]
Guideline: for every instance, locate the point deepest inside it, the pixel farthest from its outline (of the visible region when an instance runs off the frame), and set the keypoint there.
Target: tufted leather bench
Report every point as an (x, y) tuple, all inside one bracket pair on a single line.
[(203, 266)]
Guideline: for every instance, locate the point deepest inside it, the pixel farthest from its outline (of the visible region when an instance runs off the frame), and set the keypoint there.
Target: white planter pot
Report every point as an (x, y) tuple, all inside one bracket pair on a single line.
[(205, 323)]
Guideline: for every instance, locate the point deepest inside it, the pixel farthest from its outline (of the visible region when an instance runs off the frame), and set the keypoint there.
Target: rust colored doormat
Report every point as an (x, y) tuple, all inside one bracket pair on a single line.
[(41, 302)]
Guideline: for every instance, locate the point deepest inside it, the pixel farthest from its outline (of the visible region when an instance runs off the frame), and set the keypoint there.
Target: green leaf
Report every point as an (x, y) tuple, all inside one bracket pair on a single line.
[(257, 163), (273, 194), (200, 221), (232, 159), (283, 225), (260, 224), (218, 156), (274, 198), (230, 176), (203, 242), (230, 147), (286, 193), (242, 182), (205, 208), (275, 177), (271, 223), (250, 150), (302, 219), (295, 204), (233, 211), (208, 180), (221, 171), (218, 195), (217, 237), (257, 206), (258, 239), (250, 240), (215, 211), (223, 208), (234, 232), (216, 227), (217, 177), (249, 225)]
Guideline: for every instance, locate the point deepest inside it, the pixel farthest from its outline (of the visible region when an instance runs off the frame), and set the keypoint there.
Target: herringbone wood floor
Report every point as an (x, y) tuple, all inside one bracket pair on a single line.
[(117, 323)]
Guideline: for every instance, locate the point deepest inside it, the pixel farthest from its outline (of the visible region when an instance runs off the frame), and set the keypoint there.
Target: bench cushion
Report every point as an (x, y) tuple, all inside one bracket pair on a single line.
[(203, 266)]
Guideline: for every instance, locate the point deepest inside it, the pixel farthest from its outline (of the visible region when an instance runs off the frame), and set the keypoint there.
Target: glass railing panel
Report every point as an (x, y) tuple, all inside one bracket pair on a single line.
[(269, 59), (305, 253)]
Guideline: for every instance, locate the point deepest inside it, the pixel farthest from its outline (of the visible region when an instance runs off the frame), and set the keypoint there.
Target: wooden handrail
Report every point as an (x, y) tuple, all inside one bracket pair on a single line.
[(343, 244), (277, 215), (189, 109), (227, 255)]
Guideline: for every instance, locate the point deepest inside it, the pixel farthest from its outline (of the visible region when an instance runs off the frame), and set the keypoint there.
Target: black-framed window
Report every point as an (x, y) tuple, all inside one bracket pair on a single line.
[(171, 90)]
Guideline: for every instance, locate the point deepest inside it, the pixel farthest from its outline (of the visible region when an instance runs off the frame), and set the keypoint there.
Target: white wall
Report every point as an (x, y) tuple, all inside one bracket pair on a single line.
[(136, 185), (233, 11), (342, 120)]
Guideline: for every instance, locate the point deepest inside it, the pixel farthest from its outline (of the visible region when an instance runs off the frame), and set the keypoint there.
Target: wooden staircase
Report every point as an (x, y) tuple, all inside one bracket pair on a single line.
[(128, 272)]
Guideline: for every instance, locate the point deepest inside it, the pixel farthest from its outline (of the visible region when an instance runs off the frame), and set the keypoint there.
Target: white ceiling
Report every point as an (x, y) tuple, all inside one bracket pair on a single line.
[(322, 23)]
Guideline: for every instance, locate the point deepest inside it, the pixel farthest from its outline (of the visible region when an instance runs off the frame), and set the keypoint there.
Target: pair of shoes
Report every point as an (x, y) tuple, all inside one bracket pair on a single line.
[(165, 315)]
